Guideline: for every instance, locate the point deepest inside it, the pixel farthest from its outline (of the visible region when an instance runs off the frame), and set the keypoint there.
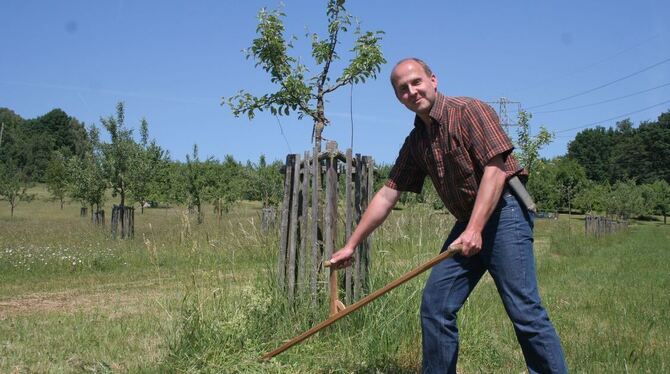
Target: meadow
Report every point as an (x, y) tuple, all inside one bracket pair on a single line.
[(182, 297)]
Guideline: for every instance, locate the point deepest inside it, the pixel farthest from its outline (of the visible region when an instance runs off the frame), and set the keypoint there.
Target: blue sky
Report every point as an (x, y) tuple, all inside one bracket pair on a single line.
[(172, 61)]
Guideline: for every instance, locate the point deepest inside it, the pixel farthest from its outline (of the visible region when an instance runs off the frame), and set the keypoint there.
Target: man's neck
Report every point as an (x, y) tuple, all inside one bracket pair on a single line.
[(426, 120)]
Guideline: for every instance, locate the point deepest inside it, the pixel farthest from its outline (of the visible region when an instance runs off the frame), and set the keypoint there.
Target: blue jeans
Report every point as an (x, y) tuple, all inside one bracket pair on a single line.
[(507, 253)]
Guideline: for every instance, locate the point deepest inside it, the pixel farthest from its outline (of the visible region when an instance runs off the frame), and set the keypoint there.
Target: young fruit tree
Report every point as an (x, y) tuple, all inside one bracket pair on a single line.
[(297, 89), (56, 177)]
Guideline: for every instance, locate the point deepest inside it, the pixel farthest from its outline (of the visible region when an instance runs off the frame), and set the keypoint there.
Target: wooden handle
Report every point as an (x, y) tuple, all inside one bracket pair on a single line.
[(362, 302)]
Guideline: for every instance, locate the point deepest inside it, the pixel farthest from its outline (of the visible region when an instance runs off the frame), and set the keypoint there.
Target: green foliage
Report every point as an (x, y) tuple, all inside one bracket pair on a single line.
[(658, 194), (147, 169), (56, 176), (297, 92), (30, 143), (265, 182), (196, 181), (13, 186), (119, 154), (529, 146), (625, 152)]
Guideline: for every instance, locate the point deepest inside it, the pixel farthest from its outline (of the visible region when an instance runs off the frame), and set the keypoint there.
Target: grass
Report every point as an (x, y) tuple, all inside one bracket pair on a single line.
[(183, 297)]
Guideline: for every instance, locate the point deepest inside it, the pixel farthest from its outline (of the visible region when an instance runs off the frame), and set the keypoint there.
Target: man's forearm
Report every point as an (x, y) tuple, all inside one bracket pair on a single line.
[(490, 189)]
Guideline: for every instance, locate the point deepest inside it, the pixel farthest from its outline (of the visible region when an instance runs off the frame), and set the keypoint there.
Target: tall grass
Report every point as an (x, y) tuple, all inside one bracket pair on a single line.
[(183, 297), (605, 297)]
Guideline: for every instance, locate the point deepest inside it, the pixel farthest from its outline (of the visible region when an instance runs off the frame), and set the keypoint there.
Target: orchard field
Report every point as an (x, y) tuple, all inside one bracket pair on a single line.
[(188, 297)]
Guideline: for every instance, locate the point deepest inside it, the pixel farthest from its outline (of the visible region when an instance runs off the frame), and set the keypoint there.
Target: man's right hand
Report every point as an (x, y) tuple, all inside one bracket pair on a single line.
[(342, 258)]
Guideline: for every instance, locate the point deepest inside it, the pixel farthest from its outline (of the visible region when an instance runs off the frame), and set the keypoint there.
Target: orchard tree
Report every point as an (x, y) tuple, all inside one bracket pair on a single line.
[(87, 182), (298, 90), (149, 162), (13, 186), (265, 182), (530, 146), (543, 186), (119, 154), (626, 200), (196, 181), (56, 176), (658, 194), (593, 197), (570, 179)]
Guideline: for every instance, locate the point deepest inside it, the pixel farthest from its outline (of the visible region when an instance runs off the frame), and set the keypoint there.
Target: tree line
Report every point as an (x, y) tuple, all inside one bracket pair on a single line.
[(622, 171), (74, 163)]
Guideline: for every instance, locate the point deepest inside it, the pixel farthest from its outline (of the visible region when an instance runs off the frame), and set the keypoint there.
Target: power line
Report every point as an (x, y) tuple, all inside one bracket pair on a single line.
[(604, 101), (587, 67), (601, 86), (612, 118), (281, 129)]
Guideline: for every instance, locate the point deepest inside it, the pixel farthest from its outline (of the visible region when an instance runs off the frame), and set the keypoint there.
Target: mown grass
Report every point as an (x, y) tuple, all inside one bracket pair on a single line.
[(182, 297)]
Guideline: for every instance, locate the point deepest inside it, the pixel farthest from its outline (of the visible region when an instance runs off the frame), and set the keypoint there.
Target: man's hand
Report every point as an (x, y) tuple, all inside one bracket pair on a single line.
[(470, 241), (342, 258)]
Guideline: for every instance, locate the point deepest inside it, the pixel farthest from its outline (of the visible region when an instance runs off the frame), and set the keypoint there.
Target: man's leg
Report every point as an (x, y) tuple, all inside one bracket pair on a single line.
[(449, 284), (512, 266)]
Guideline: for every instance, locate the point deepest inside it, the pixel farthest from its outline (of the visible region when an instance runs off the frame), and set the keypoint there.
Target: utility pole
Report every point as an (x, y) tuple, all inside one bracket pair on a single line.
[(503, 114), (2, 129)]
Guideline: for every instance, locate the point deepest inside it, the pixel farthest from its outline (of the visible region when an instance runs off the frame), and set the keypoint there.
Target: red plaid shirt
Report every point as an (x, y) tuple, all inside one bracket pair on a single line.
[(465, 135)]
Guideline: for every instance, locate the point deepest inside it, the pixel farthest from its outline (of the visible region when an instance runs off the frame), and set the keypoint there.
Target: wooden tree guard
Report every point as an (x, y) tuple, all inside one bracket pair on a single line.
[(309, 233), (98, 218), (123, 216), (595, 225)]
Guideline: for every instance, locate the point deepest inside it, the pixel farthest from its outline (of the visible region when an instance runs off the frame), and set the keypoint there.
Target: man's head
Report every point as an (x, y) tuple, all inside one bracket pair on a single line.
[(415, 85)]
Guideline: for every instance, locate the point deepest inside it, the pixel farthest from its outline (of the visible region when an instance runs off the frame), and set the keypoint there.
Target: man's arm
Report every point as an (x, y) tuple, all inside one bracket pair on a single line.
[(490, 189), (380, 207)]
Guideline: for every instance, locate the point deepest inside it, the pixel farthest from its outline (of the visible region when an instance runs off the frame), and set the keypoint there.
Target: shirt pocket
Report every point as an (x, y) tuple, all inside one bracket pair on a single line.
[(460, 172)]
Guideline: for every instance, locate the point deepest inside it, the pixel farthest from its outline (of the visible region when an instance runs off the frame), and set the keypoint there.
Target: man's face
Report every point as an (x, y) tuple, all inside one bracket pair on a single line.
[(414, 88)]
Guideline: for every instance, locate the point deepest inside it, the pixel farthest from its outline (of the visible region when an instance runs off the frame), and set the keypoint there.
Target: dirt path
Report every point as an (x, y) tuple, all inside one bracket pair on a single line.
[(112, 298)]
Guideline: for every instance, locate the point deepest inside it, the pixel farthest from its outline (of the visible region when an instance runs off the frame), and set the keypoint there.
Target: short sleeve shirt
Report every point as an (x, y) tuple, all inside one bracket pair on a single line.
[(465, 135)]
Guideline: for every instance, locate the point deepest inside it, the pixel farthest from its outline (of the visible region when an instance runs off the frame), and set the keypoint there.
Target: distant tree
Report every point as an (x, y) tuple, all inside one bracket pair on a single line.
[(658, 195), (592, 149), (543, 186), (119, 154), (296, 91), (592, 197), (626, 200), (196, 181), (570, 180), (655, 143), (87, 182), (266, 183), (145, 170), (529, 146), (13, 186), (57, 177), (226, 184)]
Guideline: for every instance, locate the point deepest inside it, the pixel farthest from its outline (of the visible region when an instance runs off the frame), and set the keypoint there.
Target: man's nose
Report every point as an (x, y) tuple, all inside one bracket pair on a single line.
[(412, 90)]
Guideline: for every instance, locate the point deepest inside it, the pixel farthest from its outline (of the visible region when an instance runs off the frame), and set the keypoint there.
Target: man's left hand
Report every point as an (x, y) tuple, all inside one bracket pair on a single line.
[(470, 241)]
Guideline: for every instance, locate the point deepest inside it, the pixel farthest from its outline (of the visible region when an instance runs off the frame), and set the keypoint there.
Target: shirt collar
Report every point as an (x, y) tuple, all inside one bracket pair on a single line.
[(438, 112)]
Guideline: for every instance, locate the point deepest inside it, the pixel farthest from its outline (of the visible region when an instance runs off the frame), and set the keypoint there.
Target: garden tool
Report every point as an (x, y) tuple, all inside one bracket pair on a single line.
[(339, 311)]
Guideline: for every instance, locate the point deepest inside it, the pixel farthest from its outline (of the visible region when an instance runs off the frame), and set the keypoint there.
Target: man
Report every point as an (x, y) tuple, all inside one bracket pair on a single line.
[(458, 142)]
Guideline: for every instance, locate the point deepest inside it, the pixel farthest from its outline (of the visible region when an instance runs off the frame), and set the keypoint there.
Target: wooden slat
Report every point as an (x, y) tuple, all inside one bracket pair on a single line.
[(302, 218), (293, 233), (348, 224), (314, 221), (358, 213), (283, 240)]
